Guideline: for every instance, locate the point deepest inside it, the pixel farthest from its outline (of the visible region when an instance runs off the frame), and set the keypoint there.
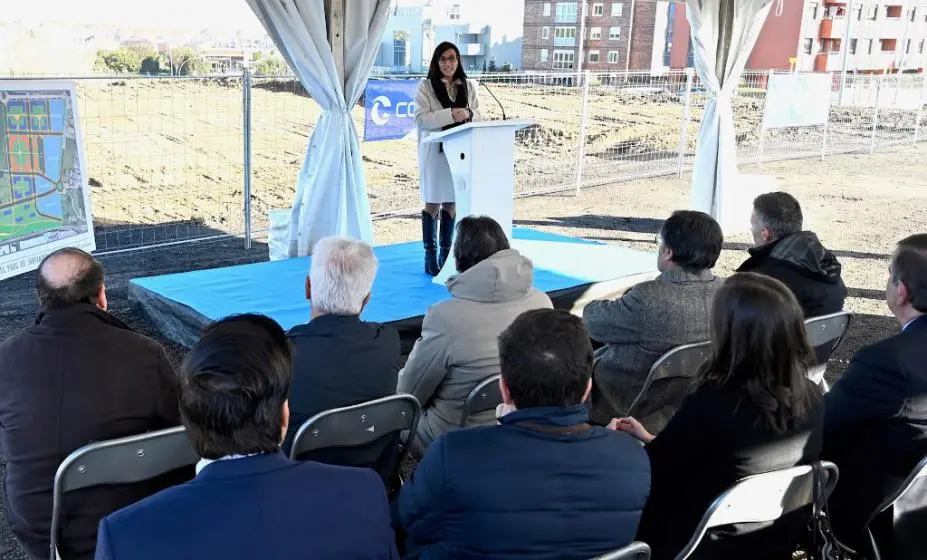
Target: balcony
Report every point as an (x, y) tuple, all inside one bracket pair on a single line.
[(564, 41), (833, 28), (820, 62)]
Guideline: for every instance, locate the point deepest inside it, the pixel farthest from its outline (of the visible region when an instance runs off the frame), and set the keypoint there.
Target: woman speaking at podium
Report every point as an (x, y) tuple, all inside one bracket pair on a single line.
[(445, 99)]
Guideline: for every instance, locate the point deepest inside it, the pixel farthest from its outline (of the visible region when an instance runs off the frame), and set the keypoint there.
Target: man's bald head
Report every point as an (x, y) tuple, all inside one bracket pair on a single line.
[(68, 277)]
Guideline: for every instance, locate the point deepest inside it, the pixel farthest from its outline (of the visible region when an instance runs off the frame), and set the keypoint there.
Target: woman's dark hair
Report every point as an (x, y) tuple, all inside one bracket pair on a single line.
[(760, 347), (695, 239), (434, 71), (478, 238), (233, 384)]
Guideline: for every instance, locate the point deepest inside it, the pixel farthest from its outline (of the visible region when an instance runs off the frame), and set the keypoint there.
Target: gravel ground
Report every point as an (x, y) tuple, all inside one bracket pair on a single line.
[(860, 205)]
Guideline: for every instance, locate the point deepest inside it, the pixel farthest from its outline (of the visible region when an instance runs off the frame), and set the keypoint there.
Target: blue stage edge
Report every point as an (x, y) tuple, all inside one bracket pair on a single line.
[(181, 304)]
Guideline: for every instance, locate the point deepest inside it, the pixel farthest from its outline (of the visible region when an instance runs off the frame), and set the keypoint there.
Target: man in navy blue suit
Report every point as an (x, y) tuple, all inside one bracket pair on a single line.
[(248, 500), (875, 426)]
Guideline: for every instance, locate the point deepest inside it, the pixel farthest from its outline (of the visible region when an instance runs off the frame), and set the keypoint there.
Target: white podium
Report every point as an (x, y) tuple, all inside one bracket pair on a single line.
[(481, 156)]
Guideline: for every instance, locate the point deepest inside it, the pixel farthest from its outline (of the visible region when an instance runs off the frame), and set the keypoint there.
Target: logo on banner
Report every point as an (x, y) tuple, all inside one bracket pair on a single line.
[(389, 109)]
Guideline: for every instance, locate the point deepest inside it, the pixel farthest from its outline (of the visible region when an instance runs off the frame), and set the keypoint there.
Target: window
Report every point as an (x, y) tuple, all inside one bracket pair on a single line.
[(613, 57), (545, 32), (912, 13), (874, 13), (595, 33), (566, 12), (852, 46), (888, 45), (546, 9), (614, 33), (907, 46), (543, 55), (859, 13), (869, 49), (563, 60), (808, 46), (564, 36), (893, 12), (920, 49), (598, 10), (593, 56), (813, 8), (617, 9)]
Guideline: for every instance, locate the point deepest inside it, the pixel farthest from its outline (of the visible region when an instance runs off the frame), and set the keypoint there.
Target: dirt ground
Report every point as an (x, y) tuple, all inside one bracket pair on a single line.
[(860, 205)]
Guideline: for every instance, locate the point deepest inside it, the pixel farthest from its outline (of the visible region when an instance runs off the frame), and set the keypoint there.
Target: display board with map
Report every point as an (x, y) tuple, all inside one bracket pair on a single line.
[(44, 195)]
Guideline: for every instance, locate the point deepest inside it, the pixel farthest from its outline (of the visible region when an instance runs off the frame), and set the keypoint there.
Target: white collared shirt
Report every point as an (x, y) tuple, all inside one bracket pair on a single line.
[(203, 463), (911, 322)]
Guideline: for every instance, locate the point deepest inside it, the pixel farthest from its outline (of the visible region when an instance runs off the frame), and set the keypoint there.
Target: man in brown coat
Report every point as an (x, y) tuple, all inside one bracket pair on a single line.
[(654, 317), (79, 375)]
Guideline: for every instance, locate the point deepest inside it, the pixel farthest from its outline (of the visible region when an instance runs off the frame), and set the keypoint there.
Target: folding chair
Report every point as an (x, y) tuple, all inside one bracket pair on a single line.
[(825, 333), (917, 477), (485, 396), (360, 424), (119, 461), (762, 497), (679, 362), (635, 551)]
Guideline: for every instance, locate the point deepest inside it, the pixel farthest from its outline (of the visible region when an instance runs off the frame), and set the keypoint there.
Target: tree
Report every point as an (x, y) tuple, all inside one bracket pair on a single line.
[(121, 60), (484, 65), (271, 66), (151, 64), (188, 62), (506, 67), (492, 64)]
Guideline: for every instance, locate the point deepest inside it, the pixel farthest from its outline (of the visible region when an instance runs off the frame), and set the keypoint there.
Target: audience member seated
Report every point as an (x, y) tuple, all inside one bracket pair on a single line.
[(876, 422), (77, 376), (753, 411), (339, 360), (248, 500), (457, 348), (542, 484), (654, 317), (792, 256)]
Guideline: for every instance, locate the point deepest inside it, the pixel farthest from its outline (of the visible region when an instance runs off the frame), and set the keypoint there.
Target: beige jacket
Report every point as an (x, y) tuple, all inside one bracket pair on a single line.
[(459, 347), (435, 181)]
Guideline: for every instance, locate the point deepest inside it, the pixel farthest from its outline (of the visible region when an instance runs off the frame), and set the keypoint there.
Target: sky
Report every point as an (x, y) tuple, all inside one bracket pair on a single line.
[(221, 15)]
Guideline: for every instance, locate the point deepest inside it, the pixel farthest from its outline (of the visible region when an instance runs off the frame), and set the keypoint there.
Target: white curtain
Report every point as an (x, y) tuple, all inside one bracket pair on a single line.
[(331, 193), (723, 35)]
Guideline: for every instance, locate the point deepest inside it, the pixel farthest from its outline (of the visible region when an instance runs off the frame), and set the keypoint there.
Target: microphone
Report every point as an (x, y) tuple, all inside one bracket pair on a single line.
[(494, 97)]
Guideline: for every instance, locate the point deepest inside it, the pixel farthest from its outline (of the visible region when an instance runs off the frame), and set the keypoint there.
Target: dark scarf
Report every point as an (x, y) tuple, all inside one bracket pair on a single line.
[(460, 102)]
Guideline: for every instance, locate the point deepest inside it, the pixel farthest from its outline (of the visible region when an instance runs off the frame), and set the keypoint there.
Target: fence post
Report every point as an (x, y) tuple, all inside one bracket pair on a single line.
[(246, 134), (920, 108), (581, 145), (684, 131), (875, 116)]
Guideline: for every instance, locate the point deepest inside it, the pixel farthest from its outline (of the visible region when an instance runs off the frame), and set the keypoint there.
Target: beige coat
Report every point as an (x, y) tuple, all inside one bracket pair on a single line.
[(435, 183), (458, 347)]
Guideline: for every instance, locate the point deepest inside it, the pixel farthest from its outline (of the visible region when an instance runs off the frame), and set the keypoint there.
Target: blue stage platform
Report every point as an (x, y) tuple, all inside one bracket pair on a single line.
[(572, 270)]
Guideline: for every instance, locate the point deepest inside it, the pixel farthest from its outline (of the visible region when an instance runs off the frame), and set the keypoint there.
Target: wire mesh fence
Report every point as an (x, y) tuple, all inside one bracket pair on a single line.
[(166, 156)]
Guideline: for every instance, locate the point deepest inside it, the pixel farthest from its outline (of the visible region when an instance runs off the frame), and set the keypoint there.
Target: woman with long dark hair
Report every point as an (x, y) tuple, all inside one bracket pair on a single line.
[(753, 410), (445, 99)]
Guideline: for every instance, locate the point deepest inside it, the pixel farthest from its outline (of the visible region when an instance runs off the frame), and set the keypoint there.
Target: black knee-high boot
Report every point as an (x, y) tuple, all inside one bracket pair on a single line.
[(429, 239), (446, 236)]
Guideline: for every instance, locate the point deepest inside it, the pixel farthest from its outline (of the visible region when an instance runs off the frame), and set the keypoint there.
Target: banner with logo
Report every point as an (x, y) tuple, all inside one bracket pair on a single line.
[(389, 109)]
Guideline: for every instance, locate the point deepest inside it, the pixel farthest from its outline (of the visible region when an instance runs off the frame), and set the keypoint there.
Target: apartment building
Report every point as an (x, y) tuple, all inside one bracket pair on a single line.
[(875, 36), (617, 35)]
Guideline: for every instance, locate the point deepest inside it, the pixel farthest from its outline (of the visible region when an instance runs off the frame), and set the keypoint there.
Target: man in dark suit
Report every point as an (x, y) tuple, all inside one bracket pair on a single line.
[(876, 414), (339, 360), (654, 317), (794, 257), (77, 376), (248, 500), (543, 484)]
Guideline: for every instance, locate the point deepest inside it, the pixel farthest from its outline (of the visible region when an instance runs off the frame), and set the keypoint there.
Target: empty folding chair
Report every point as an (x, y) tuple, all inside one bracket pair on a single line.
[(762, 498), (634, 551), (824, 334), (485, 396), (909, 517), (119, 461)]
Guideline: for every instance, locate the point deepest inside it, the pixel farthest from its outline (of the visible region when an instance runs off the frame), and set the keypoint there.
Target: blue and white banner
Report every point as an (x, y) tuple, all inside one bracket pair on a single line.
[(389, 109)]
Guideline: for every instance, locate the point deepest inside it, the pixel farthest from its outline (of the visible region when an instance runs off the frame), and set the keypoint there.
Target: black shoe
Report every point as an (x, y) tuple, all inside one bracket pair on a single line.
[(447, 236), (429, 233)]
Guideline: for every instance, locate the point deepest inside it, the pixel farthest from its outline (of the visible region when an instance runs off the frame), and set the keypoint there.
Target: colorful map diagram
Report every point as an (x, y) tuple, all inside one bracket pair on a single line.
[(43, 197)]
